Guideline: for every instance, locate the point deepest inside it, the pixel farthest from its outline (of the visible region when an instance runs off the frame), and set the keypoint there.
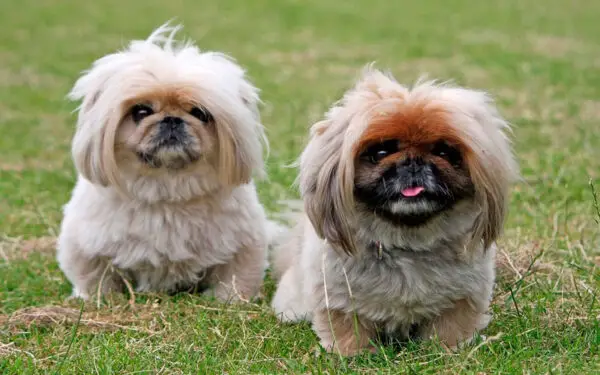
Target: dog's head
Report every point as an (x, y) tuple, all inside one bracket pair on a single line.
[(160, 110), (408, 157)]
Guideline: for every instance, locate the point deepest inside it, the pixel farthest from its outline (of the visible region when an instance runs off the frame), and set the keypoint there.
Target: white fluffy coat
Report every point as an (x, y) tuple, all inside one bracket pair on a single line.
[(160, 229)]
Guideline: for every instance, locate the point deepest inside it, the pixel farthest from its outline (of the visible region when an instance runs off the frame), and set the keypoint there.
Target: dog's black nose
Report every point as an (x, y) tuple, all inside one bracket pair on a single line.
[(412, 165), (171, 123)]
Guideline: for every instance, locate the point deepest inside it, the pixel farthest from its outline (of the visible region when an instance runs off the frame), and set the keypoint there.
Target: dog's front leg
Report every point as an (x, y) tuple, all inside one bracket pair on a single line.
[(457, 325), (241, 278), (344, 333), (88, 275)]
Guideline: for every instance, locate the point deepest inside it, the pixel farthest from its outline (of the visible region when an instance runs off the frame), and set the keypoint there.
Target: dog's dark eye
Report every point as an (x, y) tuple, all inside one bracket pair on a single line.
[(140, 111), (201, 114), (444, 150), (376, 153)]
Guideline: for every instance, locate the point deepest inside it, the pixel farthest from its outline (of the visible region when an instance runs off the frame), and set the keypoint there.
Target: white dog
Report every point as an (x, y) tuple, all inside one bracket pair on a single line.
[(167, 141)]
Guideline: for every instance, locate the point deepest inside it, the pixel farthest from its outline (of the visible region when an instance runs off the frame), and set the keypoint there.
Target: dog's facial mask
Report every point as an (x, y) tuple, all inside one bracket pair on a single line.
[(410, 167), (167, 130)]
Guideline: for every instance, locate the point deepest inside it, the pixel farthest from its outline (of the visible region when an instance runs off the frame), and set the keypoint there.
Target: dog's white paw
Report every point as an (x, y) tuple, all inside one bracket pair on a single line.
[(78, 294)]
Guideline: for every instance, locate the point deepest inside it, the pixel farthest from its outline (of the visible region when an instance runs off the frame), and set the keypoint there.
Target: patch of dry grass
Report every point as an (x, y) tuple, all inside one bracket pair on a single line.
[(20, 248), (10, 349), (141, 318)]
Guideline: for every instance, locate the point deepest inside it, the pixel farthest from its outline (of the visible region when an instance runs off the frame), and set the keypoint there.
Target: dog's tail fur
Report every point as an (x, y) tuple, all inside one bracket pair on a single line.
[(281, 236), (275, 232)]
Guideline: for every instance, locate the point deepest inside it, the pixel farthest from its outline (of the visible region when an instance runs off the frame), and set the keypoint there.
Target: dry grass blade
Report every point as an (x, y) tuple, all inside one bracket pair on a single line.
[(100, 283), (129, 287), (595, 198), (486, 341)]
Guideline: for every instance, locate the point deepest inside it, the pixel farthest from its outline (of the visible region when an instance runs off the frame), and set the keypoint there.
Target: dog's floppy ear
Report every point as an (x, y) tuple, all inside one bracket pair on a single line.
[(251, 99), (241, 138), (93, 143), (492, 168), (490, 195), (327, 164), (236, 155), (326, 185), (239, 129)]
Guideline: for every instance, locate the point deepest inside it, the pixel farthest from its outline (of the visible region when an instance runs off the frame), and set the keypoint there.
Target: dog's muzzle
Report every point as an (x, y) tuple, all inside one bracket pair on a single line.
[(171, 132), (172, 146)]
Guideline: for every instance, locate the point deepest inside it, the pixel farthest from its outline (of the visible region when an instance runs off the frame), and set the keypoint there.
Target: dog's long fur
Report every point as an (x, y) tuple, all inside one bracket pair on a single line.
[(432, 279), (166, 229)]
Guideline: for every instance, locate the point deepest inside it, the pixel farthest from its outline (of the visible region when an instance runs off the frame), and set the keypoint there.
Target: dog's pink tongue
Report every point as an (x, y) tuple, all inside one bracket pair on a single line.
[(413, 191)]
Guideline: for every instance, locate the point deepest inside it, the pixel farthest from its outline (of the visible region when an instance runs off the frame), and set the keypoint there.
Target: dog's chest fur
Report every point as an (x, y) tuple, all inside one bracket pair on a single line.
[(404, 287), (164, 245)]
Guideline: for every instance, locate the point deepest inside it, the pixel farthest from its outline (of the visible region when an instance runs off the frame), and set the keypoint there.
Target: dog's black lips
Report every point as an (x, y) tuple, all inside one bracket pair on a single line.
[(438, 196), (412, 220)]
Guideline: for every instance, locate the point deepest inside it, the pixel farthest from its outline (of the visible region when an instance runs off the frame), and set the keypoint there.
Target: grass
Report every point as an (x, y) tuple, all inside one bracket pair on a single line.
[(539, 59)]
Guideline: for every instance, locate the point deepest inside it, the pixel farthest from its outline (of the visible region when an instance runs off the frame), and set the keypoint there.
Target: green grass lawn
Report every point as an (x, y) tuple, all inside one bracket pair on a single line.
[(540, 59)]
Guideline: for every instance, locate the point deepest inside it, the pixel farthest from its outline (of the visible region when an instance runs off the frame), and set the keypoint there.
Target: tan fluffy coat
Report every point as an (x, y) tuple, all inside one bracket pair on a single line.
[(434, 279)]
